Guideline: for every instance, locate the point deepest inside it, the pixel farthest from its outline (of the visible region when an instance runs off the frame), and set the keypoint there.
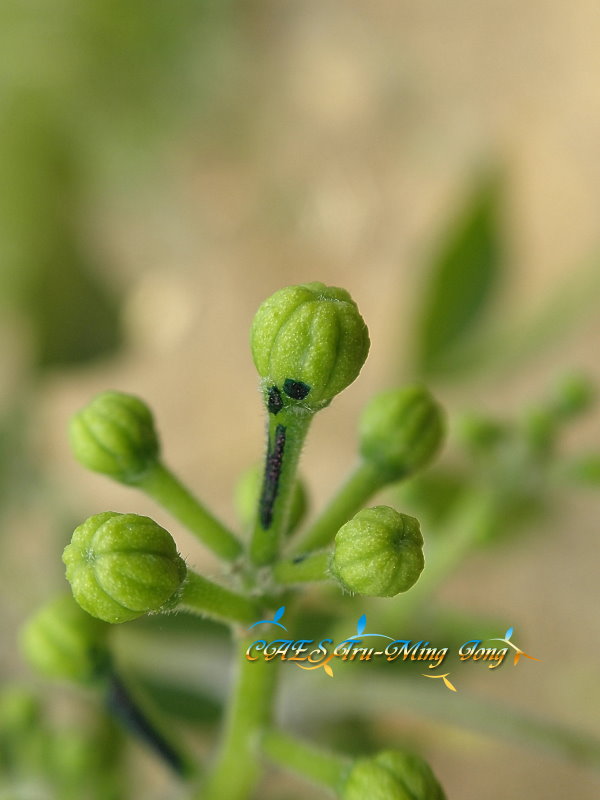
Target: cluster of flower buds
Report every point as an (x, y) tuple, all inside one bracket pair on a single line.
[(309, 343)]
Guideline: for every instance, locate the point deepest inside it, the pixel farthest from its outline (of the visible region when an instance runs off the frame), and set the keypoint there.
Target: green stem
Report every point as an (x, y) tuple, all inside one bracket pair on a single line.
[(237, 768), (362, 484), (287, 430), (303, 568), (388, 695), (160, 483), (325, 769), (202, 596)]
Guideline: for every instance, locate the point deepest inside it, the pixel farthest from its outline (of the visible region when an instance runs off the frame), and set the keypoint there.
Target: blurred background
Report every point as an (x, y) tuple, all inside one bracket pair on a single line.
[(165, 166)]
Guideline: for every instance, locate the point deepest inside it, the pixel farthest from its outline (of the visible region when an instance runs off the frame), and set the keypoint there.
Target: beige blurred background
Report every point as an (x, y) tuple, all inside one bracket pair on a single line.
[(271, 143)]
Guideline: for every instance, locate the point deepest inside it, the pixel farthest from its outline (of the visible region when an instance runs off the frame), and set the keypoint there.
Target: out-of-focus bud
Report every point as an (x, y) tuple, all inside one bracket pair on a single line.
[(121, 566), (392, 775), (62, 641), (309, 343), (481, 434), (379, 552), (247, 494), (573, 396), (115, 434), (400, 431)]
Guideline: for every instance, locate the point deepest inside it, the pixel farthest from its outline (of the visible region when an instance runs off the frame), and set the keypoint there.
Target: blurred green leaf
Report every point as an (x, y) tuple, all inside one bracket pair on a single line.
[(463, 277), (585, 470), (47, 267)]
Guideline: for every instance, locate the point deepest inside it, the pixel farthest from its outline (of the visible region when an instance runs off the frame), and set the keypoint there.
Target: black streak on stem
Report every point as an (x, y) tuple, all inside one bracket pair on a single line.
[(122, 706), (273, 467)]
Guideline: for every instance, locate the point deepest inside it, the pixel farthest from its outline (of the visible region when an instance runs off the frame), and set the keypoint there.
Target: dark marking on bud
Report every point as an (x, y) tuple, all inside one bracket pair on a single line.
[(274, 401), (273, 466), (299, 559), (297, 390)]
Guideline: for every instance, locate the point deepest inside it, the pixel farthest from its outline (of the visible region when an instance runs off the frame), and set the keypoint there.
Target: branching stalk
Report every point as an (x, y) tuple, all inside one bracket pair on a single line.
[(160, 484)]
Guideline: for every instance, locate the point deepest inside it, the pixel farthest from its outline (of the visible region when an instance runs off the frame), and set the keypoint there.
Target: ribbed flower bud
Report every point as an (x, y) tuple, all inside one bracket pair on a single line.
[(392, 775), (115, 434), (247, 495), (121, 566), (63, 641), (309, 343), (379, 552), (400, 431)]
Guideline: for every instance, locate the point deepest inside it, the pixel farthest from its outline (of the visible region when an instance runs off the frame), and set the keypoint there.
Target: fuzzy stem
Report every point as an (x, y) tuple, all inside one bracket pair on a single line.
[(237, 768), (160, 483), (303, 568), (362, 484), (286, 433), (204, 597), (323, 768)]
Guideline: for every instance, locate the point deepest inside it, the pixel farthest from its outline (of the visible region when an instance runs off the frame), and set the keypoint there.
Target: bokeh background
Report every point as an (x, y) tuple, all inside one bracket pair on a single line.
[(165, 166)]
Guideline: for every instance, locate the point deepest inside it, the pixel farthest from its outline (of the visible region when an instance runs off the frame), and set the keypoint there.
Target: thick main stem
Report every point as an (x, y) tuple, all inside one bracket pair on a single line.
[(237, 769), (362, 484), (287, 430), (160, 483)]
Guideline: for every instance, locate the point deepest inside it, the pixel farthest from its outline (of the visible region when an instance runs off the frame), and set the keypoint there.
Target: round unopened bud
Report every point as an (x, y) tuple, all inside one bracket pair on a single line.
[(121, 566), (63, 641), (379, 552), (115, 434), (401, 431), (392, 775), (247, 494), (309, 343)]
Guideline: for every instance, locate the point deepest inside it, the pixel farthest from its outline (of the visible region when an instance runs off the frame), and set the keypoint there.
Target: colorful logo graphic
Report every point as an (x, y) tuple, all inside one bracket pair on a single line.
[(312, 654)]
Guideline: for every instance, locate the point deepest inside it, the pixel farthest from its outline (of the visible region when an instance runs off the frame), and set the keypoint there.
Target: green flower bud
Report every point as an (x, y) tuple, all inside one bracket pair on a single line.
[(115, 434), (401, 431), (62, 641), (309, 343), (392, 775), (121, 566), (379, 552), (247, 495)]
